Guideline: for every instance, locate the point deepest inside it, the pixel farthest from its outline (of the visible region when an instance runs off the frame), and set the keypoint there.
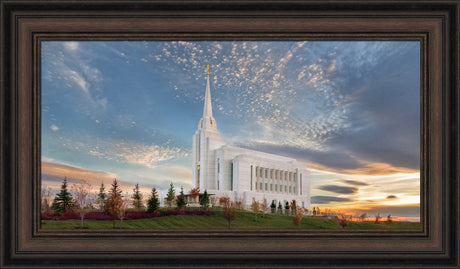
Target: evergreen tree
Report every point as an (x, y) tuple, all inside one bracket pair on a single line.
[(63, 200), (204, 201), (101, 196), (153, 203), (137, 197), (114, 203), (171, 195), (181, 203), (280, 208), (273, 206)]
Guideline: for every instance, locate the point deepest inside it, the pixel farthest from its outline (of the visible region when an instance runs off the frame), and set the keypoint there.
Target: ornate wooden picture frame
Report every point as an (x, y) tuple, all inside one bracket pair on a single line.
[(26, 23)]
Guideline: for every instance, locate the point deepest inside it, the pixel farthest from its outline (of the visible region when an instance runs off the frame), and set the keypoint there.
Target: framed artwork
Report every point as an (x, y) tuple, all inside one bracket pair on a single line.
[(352, 107), (331, 125)]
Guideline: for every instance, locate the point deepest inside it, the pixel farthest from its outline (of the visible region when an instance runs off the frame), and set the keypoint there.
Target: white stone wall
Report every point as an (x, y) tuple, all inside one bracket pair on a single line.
[(277, 167), (205, 141)]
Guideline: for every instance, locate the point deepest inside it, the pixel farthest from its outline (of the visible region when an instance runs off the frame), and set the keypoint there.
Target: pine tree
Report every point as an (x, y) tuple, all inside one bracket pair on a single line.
[(204, 201), (273, 206), (101, 196), (153, 203), (113, 204), (63, 200), (181, 203), (137, 198), (171, 195)]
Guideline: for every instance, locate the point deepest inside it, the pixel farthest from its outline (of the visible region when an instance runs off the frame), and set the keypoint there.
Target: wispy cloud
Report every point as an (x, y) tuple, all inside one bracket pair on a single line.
[(354, 182), (55, 172), (71, 45), (304, 93), (66, 64), (328, 199), (136, 153), (54, 128), (53, 175), (339, 189)]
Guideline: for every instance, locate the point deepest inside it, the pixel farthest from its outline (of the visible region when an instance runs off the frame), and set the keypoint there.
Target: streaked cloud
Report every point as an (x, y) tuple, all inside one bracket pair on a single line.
[(339, 189), (328, 199), (57, 171), (354, 182), (53, 175)]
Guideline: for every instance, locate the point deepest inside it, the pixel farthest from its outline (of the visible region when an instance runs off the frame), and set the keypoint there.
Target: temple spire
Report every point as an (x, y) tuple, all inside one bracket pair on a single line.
[(207, 110)]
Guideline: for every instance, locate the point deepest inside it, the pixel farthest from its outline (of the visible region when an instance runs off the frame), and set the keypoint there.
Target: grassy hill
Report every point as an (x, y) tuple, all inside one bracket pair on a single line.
[(244, 220)]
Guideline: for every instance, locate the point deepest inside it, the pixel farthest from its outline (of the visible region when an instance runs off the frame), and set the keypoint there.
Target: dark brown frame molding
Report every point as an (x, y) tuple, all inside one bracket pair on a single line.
[(24, 24)]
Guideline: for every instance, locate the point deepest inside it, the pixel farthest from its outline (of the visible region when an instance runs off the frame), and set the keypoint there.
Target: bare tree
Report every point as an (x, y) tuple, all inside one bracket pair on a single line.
[(46, 195), (229, 210), (255, 208), (264, 207), (363, 217), (293, 207), (82, 195), (123, 206), (298, 215), (343, 220)]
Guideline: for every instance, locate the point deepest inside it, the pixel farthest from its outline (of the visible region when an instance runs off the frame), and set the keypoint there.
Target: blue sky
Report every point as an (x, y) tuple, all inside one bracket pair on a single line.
[(350, 110)]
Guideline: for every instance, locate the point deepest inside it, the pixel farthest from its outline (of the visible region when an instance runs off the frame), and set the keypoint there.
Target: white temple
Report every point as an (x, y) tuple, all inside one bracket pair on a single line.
[(243, 174)]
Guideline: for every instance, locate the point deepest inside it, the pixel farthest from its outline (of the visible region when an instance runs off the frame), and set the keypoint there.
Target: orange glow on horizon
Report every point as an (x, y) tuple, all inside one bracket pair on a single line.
[(370, 169)]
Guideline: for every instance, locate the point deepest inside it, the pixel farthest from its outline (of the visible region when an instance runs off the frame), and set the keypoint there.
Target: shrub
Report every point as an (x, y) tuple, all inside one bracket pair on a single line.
[(172, 212), (140, 215), (47, 215), (343, 221), (189, 212), (68, 215), (97, 215), (128, 215), (199, 212)]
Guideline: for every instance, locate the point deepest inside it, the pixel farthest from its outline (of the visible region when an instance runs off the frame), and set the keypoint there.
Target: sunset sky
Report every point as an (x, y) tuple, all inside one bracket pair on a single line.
[(128, 110)]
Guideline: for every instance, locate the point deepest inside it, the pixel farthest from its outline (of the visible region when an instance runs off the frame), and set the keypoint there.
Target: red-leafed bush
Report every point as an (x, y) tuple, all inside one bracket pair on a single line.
[(67, 215), (140, 215), (128, 215), (199, 212), (97, 215), (172, 212), (47, 215)]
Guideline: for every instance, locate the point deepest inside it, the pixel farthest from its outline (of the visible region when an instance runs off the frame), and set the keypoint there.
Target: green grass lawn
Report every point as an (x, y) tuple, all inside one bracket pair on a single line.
[(244, 220)]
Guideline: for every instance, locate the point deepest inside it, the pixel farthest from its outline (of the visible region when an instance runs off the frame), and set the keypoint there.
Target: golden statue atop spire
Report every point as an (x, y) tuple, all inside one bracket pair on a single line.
[(207, 66)]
